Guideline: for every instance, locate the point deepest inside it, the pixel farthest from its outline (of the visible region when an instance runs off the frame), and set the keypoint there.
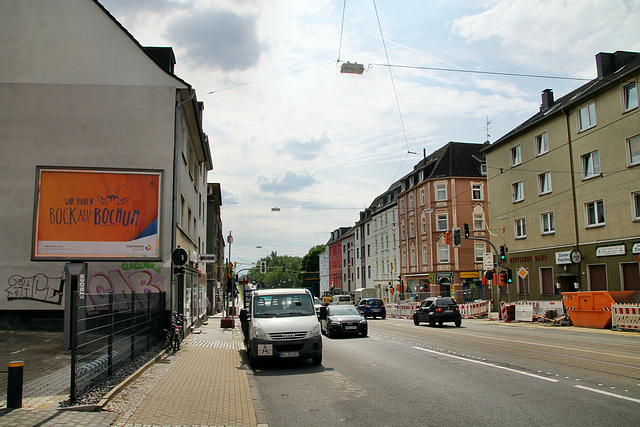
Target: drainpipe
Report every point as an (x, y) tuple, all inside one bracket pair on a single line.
[(174, 200), (573, 187)]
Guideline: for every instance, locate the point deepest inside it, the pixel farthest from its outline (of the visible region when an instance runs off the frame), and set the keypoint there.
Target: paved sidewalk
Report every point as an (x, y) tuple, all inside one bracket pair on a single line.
[(207, 383)]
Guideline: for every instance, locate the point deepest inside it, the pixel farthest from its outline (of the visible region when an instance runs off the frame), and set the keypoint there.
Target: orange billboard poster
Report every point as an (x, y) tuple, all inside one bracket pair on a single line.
[(95, 214)]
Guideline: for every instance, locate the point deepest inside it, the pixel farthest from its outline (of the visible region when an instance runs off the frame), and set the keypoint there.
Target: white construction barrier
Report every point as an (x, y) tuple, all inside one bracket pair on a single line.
[(625, 316), (471, 310)]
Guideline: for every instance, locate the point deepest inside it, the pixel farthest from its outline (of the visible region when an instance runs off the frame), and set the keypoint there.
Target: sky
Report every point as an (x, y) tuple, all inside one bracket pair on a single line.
[(288, 130)]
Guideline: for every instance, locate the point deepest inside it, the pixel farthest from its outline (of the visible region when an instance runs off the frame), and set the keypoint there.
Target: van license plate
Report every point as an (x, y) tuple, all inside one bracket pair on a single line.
[(290, 354), (265, 350)]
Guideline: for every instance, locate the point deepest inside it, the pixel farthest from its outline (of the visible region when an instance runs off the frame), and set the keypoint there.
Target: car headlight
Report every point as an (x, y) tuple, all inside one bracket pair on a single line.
[(335, 323), (315, 331), (363, 321), (259, 333)]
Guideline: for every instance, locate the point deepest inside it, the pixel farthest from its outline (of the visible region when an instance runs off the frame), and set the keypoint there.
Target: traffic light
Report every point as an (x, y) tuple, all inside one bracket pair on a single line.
[(509, 277), (456, 236), (503, 253), (466, 230), (263, 267)]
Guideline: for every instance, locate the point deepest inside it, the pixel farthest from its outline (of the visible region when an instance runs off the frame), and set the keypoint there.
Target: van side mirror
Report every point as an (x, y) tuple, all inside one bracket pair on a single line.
[(323, 312), (244, 315)]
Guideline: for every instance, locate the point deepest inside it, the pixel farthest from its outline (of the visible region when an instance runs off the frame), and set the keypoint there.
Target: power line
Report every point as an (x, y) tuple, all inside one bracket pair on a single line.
[(496, 73)]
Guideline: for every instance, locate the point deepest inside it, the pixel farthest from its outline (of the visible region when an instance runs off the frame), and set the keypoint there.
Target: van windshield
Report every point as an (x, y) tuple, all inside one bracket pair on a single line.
[(283, 305)]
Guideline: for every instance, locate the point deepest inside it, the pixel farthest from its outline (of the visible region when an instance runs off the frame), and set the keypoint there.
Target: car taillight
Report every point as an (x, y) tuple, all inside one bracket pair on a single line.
[(438, 309), (456, 308)]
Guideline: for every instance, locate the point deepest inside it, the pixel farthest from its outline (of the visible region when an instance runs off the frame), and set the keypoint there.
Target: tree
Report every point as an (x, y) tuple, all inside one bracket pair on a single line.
[(309, 274)]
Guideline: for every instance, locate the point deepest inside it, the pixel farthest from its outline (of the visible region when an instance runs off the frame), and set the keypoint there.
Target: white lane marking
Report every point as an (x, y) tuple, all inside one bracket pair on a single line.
[(631, 399), (488, 364)]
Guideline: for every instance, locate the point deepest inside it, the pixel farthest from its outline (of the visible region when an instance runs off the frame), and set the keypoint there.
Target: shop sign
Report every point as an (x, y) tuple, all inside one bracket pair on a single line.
[(563, 257), (469, 274), (488, 261), (635, 248), (610, 250)]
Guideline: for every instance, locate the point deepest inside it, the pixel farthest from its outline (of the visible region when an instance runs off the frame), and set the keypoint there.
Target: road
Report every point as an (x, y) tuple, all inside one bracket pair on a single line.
[(482, 374)]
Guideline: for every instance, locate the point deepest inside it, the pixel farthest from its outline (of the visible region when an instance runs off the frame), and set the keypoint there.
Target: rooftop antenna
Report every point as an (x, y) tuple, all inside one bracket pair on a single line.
[(487, 127)]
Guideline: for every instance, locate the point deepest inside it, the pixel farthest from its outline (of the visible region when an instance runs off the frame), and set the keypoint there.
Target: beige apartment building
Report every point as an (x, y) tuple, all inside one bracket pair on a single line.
[(445, 190), (565, 187)]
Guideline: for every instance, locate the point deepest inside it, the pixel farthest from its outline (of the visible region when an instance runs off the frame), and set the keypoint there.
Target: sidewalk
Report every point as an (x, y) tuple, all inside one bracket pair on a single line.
[(207, 383)]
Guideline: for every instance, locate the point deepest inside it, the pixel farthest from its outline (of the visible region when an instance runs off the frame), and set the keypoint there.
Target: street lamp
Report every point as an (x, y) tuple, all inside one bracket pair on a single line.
[(351, 68)]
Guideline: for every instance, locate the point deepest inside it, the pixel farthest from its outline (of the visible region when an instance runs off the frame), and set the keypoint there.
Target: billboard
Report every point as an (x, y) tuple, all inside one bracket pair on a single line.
[(97, 214)]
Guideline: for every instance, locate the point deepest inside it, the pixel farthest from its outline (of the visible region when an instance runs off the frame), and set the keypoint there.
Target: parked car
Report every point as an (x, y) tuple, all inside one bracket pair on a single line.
[(437, 310), (342, 319), (372, 307), (317, 304)]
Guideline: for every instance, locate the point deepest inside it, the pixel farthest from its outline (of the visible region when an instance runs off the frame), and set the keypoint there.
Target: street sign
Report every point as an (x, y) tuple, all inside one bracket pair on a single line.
[(488, 261), (208, 258), (523, 272), (179, 256)]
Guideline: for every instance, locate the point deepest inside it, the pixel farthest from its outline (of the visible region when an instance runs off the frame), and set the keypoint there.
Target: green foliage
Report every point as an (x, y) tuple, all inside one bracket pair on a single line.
[(282, 272)]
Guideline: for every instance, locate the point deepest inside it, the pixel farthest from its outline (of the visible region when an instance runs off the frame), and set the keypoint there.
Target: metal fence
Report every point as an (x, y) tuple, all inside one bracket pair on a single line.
[(110, 330)]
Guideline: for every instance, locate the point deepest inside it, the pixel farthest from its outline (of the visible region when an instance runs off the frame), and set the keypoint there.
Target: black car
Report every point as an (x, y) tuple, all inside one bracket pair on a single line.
[(343, 320), (437, 310), (372, 307)]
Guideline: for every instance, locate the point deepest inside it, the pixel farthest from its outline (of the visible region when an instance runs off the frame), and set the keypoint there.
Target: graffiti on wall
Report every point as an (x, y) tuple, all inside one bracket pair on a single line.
[(129, 277), (35, 288)]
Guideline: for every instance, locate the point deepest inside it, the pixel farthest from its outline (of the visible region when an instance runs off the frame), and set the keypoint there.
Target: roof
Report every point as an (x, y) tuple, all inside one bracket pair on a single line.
[(612, 67)]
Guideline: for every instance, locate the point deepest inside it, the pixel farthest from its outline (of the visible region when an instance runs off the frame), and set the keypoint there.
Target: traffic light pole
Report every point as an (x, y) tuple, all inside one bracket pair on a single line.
[(495, 250)]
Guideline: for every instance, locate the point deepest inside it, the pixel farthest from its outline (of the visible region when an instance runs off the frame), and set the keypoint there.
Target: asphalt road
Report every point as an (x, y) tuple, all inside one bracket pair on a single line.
[(484, 373)]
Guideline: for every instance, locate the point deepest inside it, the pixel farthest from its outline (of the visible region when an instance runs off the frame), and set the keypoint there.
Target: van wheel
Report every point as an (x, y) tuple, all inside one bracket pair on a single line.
[(317, 360)]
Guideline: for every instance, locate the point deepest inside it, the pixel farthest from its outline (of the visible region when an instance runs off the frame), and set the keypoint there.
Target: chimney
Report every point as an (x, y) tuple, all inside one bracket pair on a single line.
[(609, 63), (547, 99)]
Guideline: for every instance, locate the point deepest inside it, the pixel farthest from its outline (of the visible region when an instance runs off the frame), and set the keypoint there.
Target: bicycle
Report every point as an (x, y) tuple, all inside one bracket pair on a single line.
[(175, 333)]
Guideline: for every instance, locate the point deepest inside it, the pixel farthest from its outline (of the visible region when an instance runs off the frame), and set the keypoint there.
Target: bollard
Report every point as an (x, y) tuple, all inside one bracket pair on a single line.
[(14, 385)]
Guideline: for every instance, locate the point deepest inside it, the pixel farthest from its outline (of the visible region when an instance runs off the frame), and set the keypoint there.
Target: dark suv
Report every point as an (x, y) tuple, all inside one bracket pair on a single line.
[(438, 310), (372, 307)]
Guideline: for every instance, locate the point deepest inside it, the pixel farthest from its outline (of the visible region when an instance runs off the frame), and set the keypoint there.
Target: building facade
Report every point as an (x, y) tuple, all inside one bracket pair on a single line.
[(445, 190), (565, 187), (82, 93)]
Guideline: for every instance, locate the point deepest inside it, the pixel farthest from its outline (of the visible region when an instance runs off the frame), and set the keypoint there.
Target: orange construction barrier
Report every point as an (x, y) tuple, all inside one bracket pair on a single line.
[(592, 309)]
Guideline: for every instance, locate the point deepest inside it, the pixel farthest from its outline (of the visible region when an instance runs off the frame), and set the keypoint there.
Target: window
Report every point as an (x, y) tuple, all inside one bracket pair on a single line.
[(368, 229), (479, 251), (547, 223), (630, 97), (483, 169), (635, 205), (413, 257), (404, 234), (544, 183), (441, 192), (542, 144), (478, 221), (369, 250), (587, 117), (424, 255), (424, 225), (595, 213), (402, 205), (421, 196), (443, 254), (410, 201), (516, 159), (633, 145), (521, 228), (443, 223), (476, 191), (412, 229), (517, 192), (590, 165)]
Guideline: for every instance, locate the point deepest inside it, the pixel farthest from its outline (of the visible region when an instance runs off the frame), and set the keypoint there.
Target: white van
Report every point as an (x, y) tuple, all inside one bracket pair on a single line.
[(341, 299), (281, 323)]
